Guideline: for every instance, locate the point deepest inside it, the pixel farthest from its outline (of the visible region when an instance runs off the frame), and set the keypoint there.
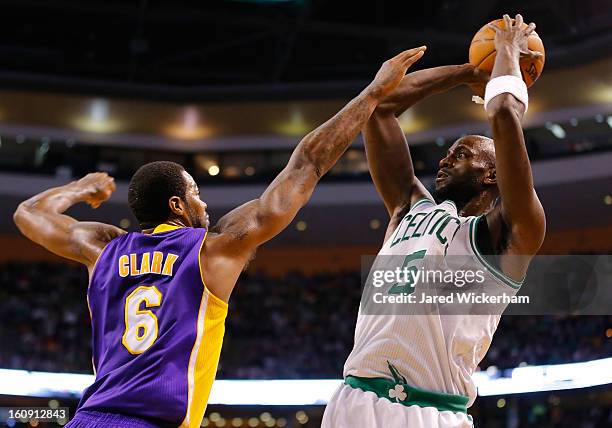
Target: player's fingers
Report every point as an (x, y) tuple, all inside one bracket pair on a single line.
[(408, 61), (532, 54), (493, 27), (402, 56), (530, 28), (518, 21), (508, 21), (536, 55)]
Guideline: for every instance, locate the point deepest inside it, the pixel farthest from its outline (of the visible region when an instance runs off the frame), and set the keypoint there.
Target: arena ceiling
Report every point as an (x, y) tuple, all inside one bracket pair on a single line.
[(137, 72), (261, 48), (569, 94)]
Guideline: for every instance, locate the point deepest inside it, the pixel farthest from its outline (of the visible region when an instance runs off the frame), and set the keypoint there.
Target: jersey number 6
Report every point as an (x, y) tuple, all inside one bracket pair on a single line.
[(140, 324)]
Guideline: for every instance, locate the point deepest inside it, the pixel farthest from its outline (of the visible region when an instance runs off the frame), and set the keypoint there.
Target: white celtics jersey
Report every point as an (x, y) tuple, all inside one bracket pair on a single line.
[(433, 352)]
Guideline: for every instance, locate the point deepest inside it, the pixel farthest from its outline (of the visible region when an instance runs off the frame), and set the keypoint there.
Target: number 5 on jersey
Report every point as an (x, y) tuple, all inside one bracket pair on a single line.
[(141, 324), (408, 286)]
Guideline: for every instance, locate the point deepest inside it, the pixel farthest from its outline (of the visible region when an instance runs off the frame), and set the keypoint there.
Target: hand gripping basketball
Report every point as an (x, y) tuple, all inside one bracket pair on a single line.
[(514, 34), (509, 33)]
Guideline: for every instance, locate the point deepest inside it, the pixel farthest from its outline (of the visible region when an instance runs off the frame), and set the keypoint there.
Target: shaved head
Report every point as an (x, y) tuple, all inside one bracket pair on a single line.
[(483, 145)]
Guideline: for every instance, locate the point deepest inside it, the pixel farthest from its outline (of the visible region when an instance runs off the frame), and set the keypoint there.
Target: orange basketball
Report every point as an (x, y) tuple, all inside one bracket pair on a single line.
[(483, 53)]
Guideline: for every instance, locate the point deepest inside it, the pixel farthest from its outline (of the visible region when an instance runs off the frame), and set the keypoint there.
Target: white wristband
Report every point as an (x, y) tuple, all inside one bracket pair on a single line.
[(507, 84)]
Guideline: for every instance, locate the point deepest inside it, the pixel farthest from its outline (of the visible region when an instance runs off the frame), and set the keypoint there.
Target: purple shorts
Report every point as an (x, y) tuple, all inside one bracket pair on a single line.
[(88, 419)]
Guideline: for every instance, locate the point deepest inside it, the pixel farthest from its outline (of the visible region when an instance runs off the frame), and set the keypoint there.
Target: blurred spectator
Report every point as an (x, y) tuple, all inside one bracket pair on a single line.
[(294, 327)]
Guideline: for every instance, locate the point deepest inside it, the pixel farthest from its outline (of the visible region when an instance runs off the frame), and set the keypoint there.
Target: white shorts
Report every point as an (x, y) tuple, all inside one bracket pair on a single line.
[(353, 408)]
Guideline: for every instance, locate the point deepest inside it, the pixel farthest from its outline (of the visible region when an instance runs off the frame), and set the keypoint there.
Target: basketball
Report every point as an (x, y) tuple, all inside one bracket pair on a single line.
[(482, 52)]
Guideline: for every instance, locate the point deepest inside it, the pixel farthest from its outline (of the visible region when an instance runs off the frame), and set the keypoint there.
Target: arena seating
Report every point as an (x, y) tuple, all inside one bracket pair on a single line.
[(301, 327)]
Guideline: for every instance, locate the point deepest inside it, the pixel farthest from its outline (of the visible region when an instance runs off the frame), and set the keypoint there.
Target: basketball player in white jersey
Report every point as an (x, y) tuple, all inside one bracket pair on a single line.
[(416, 370)]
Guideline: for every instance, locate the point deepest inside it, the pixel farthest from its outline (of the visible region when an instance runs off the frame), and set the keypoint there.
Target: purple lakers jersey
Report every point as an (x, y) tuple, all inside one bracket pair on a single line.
[(157, 329)]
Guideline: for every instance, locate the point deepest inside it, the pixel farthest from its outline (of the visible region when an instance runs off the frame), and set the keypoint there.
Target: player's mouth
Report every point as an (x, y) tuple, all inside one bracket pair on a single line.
[(442, 175)]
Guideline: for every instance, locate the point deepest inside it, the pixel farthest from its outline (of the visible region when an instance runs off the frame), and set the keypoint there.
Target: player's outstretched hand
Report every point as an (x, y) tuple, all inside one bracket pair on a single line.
[(393, 70), (96, 188), (514, 34)]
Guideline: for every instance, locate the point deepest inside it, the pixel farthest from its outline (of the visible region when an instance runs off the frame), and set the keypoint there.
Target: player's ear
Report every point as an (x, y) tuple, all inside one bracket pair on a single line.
[(177, 206), (490, 176)]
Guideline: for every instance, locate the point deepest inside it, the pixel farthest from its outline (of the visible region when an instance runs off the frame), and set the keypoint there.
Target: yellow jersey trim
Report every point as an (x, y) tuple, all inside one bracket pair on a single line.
[(204, 357), (207, 359), (219, 301), (165, 228)]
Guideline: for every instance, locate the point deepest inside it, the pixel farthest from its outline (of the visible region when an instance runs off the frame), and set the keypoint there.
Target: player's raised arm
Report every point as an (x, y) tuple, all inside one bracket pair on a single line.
[(521, 209), (388, 155), (41, 219), (239, 232)]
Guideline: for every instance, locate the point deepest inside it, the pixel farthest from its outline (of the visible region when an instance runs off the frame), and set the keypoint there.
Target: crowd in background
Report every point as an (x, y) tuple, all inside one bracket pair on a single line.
[(558, 409), (294, 327)]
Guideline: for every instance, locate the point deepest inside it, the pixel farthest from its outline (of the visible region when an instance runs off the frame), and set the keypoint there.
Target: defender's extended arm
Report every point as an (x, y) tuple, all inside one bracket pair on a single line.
[(242, 230)]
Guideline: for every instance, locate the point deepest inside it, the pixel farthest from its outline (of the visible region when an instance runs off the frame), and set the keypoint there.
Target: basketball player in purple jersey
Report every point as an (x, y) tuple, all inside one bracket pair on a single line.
[(158, 298)]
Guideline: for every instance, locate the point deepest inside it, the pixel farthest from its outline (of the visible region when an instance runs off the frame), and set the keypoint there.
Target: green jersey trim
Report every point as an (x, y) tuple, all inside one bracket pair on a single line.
[(452, 203), (420, 202), (402, 393), (495, 271)]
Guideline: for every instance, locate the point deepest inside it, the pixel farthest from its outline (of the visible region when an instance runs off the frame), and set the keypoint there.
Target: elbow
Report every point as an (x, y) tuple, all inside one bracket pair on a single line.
[(25, 210), (504, 107), (19, 215), (307, 162)]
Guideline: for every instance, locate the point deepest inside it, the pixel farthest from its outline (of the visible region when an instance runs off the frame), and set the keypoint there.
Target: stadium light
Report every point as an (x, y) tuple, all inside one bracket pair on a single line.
[(296, 125), (189, 126), (98, 118), (547, 378), (556, 129)]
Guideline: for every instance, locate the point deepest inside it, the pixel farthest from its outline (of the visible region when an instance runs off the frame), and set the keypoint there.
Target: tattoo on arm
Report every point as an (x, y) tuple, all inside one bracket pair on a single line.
[(315, 155)]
